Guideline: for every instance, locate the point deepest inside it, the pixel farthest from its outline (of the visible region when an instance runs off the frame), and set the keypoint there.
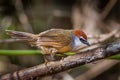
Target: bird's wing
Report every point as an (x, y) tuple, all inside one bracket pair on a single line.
[(54, 38)]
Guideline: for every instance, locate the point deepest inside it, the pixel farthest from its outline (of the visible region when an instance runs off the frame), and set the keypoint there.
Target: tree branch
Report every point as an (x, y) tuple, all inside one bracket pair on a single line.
[(65, 64), (11, 40)]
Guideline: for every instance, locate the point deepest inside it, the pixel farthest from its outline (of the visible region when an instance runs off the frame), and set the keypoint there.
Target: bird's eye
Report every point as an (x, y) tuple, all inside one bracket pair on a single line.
[(84, 41)]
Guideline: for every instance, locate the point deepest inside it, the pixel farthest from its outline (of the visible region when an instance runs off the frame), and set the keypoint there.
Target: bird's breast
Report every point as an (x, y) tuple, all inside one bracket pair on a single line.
[(65, 49)]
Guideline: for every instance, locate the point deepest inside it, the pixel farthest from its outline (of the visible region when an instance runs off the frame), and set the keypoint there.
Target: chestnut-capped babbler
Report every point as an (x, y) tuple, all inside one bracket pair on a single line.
[(53, 41)]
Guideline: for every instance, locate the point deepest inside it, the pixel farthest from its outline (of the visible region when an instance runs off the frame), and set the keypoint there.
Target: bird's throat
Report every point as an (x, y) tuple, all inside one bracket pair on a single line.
[(76, 42)]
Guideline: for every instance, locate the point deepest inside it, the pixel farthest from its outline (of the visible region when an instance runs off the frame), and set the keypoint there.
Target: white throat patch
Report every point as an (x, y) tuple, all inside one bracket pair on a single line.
[(76, 41)]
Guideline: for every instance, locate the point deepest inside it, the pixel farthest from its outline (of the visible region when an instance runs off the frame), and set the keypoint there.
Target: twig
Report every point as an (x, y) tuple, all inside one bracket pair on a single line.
[(106, 37), (105, 13), (11, 40), (22, 16), (65, 64), (114, 33), (108, 8), (98, 69)]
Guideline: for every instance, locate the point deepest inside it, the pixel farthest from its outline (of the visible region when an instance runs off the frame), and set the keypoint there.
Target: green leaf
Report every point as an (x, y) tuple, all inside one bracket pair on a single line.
[(115, 57)]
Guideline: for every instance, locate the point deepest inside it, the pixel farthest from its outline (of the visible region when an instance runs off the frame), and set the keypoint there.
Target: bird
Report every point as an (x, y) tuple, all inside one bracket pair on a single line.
[(53, 41)]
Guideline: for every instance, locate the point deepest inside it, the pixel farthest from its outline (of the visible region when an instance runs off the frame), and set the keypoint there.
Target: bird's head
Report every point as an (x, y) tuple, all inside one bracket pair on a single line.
[(79, 38)]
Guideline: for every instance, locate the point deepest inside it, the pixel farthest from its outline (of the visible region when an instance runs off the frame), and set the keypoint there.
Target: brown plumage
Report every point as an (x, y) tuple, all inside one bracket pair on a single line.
[(51, 41)]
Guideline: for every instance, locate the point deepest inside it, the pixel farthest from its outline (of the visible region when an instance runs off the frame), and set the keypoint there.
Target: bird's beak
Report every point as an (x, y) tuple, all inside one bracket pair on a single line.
[(84, 41), (87, 43)]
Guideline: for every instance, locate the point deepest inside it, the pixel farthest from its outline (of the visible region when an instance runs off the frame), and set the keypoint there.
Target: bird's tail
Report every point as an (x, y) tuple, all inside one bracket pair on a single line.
[(23, 36)]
